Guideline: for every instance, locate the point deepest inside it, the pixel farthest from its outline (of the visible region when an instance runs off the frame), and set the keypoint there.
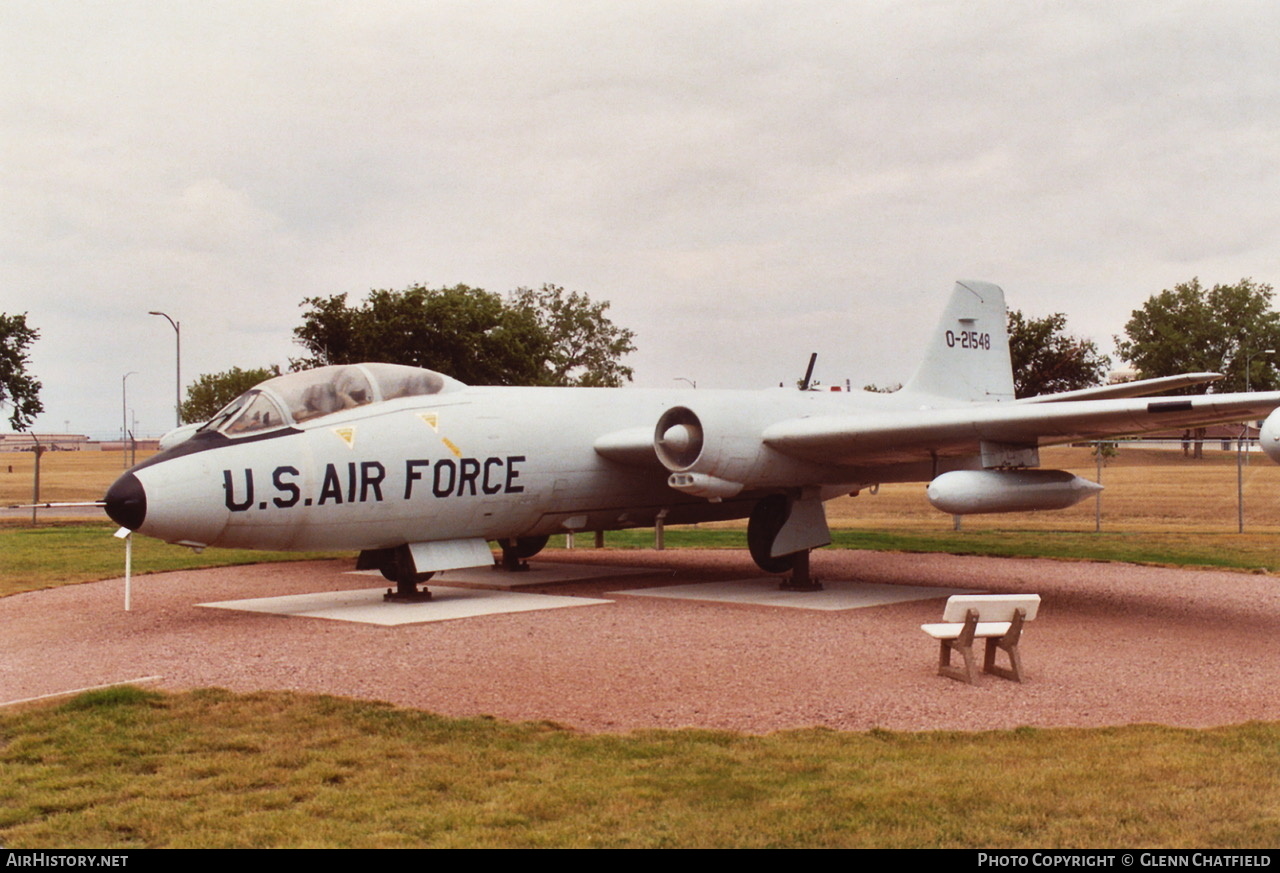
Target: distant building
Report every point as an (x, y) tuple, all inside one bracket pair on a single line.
[(57, 442), (71, 442), (150, 444)]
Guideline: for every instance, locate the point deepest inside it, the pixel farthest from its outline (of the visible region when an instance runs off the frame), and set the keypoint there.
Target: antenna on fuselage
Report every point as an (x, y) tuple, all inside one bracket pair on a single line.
[(808, 374)]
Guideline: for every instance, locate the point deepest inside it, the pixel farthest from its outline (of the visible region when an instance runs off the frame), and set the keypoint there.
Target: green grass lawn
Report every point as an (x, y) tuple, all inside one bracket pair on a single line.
[(1176, 549), (59, 554), (126, 768)]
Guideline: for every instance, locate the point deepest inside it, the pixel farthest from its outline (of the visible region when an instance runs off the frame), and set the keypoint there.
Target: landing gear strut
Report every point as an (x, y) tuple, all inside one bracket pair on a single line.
[(515, 551), (767, 520), (800, 580), (396, 565)]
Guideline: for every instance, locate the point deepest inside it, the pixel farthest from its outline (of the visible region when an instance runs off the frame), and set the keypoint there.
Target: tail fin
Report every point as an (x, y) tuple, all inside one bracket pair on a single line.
[(967, 356)]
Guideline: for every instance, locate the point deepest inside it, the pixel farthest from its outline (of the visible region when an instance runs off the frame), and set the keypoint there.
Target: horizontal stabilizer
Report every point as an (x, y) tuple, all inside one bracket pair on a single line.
[(1140, 388), (913, 435)]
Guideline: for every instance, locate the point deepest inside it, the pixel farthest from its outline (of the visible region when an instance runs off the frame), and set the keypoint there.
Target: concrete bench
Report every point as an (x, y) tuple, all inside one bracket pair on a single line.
[(997, 618)]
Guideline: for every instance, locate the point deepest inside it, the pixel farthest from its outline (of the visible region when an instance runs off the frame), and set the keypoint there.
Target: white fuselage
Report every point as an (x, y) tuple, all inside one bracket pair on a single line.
[(480, 462)]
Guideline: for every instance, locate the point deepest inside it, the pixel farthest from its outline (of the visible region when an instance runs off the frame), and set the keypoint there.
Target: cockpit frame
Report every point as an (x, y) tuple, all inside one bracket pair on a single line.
[(294, 398)]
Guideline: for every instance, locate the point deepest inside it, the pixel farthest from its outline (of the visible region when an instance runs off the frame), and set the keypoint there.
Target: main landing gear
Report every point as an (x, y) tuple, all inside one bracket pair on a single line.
[(770, 516)]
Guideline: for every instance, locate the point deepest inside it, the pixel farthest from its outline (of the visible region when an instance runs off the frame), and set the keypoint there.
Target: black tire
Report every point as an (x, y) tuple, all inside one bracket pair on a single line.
[(768, 517), (527, 547), (398, 564)]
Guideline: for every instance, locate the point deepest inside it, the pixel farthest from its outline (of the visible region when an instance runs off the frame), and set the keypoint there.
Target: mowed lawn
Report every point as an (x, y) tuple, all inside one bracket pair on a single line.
[(126, 768)]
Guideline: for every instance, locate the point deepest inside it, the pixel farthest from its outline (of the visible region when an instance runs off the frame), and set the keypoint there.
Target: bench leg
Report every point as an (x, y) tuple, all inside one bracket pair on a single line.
[(1014, 671), (968, 673)]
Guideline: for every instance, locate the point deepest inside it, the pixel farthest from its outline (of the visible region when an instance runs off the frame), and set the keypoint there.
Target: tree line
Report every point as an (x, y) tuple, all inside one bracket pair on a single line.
[(544, 336), (1227, 329), (549, 336)]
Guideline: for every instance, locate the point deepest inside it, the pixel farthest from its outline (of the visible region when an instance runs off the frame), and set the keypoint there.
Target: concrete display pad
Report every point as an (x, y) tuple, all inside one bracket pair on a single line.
[(764, 591), (537, 574), (366, 605)]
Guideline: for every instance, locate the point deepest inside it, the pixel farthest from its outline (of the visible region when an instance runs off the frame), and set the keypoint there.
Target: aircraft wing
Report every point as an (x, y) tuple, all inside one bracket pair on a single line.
[(911, 435)]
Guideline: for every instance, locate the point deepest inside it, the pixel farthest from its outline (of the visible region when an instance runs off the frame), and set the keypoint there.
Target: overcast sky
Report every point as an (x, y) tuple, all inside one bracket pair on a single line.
[(744, 182)]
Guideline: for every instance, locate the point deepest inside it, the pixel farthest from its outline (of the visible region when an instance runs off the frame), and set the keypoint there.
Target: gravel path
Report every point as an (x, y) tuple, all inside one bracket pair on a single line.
[(1114, 644)]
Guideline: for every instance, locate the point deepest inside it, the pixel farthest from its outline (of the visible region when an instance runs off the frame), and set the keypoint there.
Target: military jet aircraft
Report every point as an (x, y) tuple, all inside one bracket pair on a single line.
[(418, 472)]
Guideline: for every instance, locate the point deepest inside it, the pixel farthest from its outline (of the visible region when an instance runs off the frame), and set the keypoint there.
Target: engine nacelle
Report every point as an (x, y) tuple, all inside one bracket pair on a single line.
[(965, 492), (720, 448), (1269, 436), (678, 438)]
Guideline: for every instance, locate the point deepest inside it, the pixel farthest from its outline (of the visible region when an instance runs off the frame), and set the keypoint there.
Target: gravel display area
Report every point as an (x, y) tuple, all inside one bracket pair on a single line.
[(1114, 644)]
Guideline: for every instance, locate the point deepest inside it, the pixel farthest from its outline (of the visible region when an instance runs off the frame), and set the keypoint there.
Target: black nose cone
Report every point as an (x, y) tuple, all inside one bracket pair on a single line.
[(126, 502)]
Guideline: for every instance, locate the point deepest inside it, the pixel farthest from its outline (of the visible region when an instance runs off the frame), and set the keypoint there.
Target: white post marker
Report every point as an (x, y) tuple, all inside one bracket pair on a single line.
[(127, 535)]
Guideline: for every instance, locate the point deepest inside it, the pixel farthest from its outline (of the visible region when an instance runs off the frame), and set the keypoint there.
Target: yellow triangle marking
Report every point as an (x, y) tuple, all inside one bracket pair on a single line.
[(457, 452), (347, 435), (432, 419)]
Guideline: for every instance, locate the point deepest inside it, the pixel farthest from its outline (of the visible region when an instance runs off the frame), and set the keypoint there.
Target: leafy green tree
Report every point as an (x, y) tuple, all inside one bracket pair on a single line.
[(533, 338), (464, 332), (1047, 360), (17, 388), (1193, 329), (212, 391), (585, 347)]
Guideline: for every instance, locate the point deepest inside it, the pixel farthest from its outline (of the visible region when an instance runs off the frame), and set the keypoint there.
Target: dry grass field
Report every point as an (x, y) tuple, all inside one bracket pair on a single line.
[(1146, 489), (64, 476)]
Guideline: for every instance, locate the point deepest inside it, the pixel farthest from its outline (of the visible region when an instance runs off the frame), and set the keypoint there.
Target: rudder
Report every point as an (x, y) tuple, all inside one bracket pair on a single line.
[(967, 355)]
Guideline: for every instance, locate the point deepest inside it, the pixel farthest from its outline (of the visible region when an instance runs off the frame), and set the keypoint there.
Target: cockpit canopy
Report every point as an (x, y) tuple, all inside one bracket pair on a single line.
[(298, 397)]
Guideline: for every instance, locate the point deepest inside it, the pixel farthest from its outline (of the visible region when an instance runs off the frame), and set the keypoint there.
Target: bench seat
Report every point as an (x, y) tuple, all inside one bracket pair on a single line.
[(996, 618), (983, 630)]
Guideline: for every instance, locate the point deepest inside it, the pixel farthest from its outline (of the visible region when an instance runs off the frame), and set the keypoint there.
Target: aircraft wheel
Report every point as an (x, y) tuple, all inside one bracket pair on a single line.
[(397, 565), (399, 568), (515, 551), (766, 520), (527, 547)]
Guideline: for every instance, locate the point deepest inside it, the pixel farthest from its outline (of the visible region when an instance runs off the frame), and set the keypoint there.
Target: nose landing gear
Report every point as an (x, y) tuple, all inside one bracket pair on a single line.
[(396, 565)]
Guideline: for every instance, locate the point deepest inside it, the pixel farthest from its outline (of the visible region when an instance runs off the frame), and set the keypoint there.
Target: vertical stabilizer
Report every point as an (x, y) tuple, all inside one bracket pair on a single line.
[(967, 355)]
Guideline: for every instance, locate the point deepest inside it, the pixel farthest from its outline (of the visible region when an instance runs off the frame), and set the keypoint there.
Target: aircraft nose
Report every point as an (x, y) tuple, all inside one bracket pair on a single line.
[(126, 502)]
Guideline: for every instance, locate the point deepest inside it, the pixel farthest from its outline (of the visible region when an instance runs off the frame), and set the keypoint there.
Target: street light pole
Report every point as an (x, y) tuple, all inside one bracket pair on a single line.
[(177, 388), (1248, 365), (124, 414)]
